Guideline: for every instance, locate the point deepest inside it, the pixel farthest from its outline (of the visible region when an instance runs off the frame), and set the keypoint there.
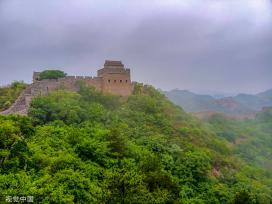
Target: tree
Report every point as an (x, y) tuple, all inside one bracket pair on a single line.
[(117, 143), (243, 197), (13, 132), (52, 74)]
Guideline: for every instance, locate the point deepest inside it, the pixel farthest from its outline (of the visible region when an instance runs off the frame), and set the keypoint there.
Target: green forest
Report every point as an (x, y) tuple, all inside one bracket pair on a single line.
[(89, 147)]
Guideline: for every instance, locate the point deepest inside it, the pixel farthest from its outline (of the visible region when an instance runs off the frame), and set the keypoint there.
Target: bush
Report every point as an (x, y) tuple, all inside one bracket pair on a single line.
[(51, 74)]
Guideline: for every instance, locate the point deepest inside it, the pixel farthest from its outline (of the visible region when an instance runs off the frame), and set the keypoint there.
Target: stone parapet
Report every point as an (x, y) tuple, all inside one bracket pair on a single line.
[(113, 78)]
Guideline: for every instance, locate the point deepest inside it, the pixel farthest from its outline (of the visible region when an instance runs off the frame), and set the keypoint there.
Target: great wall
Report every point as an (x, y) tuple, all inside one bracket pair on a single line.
[(113, 78)]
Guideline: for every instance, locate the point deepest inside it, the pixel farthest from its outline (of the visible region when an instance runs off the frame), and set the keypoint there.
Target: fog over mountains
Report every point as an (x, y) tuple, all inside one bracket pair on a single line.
[(239, 104)]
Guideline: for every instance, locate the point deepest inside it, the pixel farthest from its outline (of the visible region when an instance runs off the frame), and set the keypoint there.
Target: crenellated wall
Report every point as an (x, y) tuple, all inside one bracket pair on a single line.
[(113, 78), (69, 83)]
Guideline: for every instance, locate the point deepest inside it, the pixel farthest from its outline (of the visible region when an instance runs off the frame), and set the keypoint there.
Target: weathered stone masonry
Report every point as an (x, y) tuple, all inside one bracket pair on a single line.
[(112, 78)]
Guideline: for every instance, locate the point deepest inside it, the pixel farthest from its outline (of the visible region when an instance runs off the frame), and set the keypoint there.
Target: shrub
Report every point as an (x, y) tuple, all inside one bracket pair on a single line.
[(51, 74)]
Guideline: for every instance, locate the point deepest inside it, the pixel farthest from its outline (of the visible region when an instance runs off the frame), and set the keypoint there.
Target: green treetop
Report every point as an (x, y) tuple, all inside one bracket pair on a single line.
[(52, 74)]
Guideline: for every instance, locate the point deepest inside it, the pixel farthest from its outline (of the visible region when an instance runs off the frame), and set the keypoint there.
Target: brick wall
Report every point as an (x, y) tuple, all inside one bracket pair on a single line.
[(113, 78)]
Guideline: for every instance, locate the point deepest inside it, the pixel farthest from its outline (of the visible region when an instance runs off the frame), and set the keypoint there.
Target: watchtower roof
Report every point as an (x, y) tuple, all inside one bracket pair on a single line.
[(111, 63)]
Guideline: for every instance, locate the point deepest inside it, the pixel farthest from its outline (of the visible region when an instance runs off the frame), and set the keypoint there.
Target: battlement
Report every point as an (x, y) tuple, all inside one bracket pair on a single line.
[(113, 64), (114, 78), (113, 68)]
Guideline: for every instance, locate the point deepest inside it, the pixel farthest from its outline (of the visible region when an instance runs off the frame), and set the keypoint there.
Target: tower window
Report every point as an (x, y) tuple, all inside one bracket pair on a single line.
[(109, 80), (120, 81), (126, 81), (114, 81)]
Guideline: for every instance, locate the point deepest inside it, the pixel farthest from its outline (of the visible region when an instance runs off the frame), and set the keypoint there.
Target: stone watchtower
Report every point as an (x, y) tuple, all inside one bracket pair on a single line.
[(115, 78), (36, 76)]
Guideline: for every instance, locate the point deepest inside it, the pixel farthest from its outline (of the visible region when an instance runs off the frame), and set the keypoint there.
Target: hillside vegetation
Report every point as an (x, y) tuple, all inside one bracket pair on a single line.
[(9, 94), (251, 139), (88, 147)]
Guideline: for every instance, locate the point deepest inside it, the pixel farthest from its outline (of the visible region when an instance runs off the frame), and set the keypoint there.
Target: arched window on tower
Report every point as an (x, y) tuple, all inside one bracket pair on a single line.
[(109, 80), (121, 81)]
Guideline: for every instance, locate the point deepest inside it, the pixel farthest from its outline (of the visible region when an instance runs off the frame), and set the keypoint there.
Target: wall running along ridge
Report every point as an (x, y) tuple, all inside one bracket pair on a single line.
[(114, 78)]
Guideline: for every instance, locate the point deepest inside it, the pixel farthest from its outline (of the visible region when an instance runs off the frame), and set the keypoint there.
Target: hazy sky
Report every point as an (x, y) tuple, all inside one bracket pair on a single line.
[(200, 45)]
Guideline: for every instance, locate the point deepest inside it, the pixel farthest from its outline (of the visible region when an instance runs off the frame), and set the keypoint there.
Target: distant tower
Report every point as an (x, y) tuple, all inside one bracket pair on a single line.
[(115, 78)]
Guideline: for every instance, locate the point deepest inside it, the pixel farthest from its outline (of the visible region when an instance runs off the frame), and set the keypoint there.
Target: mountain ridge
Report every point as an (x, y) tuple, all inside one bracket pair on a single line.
[(239, 104)]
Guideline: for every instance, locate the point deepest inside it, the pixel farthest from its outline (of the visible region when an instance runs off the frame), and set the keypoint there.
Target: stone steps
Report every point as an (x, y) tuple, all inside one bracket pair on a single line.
[(20, 106)]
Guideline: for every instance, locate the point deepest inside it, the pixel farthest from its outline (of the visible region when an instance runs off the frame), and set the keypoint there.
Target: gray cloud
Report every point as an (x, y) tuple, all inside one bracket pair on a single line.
[(192, 44)]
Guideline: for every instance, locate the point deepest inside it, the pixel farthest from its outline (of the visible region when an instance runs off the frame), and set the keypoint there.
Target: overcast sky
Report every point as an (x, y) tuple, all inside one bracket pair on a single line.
[(198, 45)]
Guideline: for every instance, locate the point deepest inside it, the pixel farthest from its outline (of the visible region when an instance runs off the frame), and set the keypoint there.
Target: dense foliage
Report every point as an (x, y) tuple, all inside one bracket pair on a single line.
[(51, 74), (88, 147), (10, 93), (250, 139)]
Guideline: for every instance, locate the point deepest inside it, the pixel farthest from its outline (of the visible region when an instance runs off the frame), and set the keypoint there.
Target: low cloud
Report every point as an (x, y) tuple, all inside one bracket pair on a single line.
[(198, 45)]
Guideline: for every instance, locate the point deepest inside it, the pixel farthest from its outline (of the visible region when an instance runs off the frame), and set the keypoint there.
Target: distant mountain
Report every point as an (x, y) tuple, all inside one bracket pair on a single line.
[(240, 104), (230, 105), (189, 101), (267, 95), (255, 102)]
